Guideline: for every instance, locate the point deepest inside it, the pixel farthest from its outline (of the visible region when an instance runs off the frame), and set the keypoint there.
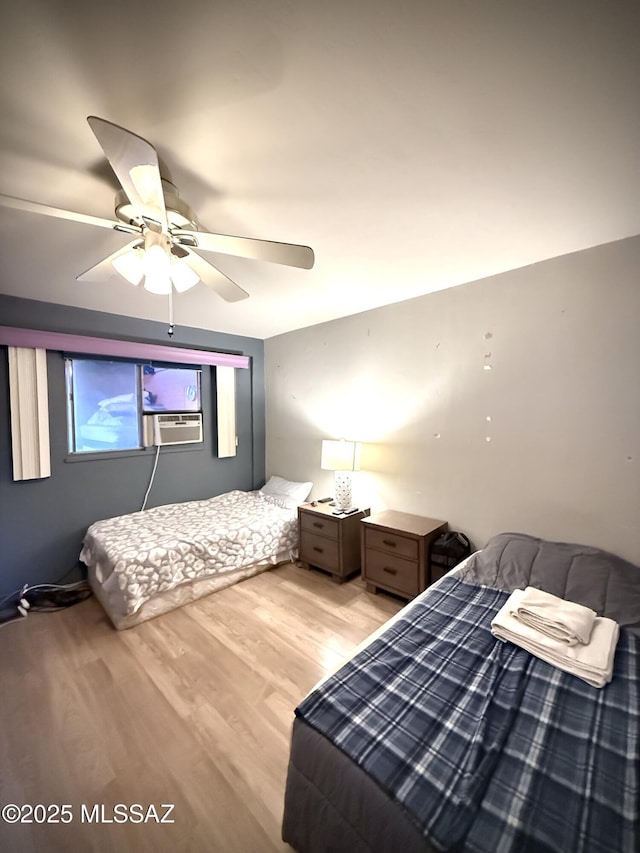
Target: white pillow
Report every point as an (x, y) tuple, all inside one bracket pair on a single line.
[(286, 490)]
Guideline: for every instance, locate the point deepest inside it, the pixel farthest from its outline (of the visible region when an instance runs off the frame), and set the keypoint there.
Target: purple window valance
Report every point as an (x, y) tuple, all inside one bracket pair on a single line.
[(35, 339)]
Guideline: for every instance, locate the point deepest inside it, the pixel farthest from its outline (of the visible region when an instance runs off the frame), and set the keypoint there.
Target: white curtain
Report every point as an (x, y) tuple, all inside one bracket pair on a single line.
[(226, 410), (29, 403)]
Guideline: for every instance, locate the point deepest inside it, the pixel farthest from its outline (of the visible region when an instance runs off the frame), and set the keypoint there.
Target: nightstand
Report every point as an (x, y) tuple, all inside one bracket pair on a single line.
[(395, 551), (330, 542)]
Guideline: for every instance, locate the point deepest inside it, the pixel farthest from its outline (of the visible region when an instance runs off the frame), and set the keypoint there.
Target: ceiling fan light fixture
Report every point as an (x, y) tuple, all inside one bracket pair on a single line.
[(156, 264), (182, 276), (157, 281), (157, 284), (130, 266)]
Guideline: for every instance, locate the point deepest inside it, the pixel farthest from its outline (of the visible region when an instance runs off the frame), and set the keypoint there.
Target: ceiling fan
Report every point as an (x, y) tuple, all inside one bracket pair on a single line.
[(163, 253)]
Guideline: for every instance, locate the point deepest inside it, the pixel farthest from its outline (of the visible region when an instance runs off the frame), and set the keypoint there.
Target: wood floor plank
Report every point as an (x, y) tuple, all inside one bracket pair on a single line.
[(193, 709)]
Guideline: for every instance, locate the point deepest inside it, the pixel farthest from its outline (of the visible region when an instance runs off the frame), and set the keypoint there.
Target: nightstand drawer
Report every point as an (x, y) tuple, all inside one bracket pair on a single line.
[(392, 571), (319, 551), (392, 543), (317, 524)]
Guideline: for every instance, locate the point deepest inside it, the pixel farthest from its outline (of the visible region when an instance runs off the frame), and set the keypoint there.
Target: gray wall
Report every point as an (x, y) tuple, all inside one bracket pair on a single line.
[(42, 522), (409, 380)]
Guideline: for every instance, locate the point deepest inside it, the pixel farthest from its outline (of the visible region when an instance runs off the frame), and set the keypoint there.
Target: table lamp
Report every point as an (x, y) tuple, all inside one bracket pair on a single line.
[(342, 457)]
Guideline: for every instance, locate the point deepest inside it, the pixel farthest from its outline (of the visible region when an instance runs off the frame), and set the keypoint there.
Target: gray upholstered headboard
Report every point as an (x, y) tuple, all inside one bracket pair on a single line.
[(599, 580)]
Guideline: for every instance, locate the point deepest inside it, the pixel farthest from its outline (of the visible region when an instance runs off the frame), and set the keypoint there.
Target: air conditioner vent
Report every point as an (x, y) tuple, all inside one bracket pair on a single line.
[(177, 429)]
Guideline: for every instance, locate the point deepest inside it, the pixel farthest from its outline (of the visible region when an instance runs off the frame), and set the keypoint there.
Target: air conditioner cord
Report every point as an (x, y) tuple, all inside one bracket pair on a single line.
[(153, 474)]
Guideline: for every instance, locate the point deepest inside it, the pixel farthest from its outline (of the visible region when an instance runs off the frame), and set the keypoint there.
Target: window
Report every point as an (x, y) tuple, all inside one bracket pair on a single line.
[(107, 399), (170, 389)]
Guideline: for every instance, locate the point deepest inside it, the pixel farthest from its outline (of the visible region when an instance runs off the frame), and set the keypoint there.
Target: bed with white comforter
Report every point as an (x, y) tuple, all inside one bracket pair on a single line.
[(145, 563)]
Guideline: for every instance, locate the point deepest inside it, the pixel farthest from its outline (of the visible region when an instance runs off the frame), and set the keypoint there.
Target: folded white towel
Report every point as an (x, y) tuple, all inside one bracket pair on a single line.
[(592, 662), (563, 620)]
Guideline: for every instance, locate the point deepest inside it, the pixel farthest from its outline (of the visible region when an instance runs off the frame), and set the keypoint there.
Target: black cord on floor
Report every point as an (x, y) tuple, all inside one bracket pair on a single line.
[(42, 597), (56, 598)]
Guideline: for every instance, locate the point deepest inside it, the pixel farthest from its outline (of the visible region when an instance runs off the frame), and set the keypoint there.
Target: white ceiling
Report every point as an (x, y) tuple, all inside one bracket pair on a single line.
[(414, 144)]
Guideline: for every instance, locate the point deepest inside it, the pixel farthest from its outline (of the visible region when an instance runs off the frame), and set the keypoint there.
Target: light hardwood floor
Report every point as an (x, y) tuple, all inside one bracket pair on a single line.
[(193, 709)]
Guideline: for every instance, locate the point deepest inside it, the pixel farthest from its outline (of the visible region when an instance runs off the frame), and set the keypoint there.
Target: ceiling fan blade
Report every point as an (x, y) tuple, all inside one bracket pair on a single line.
[(59, 213), (135, 162), (213, 278), (289, 254), (105, 269)]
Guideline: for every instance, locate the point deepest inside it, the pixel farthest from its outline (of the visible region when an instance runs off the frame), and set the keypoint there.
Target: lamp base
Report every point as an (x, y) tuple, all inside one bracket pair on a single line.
[(342, 487)]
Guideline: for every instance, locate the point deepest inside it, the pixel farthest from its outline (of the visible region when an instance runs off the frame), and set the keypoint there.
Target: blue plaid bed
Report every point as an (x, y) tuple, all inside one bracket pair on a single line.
[(488, 748)]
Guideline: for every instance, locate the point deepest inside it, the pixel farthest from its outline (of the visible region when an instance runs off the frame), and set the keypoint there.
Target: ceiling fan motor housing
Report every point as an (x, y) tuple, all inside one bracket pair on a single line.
[(179, 214)]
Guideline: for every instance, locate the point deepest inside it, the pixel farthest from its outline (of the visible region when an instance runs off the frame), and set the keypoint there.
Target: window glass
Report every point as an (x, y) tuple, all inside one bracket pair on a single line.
[(170, 389), (103, 405)]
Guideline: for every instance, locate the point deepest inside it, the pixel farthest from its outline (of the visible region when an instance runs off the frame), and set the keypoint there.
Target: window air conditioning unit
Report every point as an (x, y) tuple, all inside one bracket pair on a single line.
[(177, 429)]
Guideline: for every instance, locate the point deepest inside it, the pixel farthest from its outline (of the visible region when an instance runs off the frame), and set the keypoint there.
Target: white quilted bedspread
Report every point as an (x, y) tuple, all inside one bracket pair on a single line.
[(156, 550)]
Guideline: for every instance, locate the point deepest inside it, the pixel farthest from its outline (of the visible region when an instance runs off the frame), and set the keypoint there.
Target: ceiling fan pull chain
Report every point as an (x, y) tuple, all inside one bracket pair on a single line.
[(171, 323)]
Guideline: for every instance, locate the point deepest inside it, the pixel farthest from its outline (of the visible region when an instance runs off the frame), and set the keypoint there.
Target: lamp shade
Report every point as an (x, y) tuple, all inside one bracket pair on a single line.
[(130, 266), (340, 455), (182, 276)]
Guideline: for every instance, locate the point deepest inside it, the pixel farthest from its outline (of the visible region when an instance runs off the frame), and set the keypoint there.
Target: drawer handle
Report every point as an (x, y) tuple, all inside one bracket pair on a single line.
[(390, 571), (389, 542), (318, 524), (319, 550)]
